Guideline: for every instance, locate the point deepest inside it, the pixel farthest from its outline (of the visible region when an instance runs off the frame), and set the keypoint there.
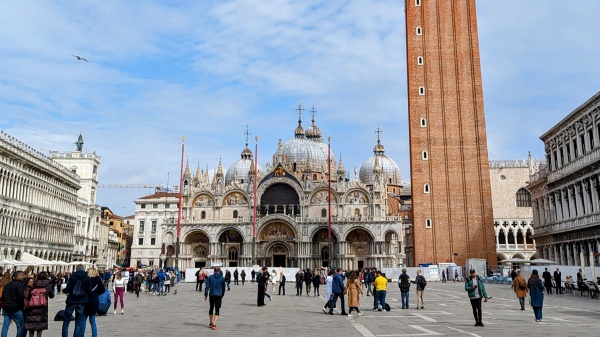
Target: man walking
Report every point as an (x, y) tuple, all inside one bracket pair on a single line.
[(78, 288), (476, 290), (236, 276), (368, 280), (299, 282), (547, 281), (421, 283), (281, 283), (215, 286), (557, 279), (380, 291), (404, 285), (13, 302), (443, 276), (138, 281), (253, 273), (308, 281), (337, 288)]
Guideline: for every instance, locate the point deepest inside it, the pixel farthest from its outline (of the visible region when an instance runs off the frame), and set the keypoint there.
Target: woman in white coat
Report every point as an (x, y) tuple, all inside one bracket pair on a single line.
[(274, 279), (328, 291)]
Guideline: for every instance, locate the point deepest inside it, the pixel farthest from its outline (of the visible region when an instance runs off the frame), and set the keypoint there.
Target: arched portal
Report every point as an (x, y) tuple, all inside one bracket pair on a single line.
[(280, 199), (361, 244), (231, 243), (281, 234), (279, 253), (198, 244), (320, 246)]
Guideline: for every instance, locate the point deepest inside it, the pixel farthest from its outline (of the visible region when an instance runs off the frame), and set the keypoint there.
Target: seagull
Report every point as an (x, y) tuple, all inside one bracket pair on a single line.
[(79, 58)]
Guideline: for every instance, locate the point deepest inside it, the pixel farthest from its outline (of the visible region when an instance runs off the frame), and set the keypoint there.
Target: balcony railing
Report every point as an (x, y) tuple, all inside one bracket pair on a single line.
[(568, 225), (576, 165)]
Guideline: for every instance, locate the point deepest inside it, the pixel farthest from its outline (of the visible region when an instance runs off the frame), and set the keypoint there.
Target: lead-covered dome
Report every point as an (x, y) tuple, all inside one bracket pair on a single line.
[(380, 164), (242, 169)]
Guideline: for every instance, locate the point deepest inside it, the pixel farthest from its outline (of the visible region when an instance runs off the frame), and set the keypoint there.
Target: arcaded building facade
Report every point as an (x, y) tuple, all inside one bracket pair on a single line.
[(452, 200), (566, 191), (38, 203), (293, 207)]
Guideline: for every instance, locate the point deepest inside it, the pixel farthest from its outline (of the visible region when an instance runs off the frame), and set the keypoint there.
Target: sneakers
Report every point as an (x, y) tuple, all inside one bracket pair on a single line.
[(122, 312), (114, 313), (331, 313), (422, 307), (344, 314), (379, 310), (360, 313), (212, 326), (325, 310)]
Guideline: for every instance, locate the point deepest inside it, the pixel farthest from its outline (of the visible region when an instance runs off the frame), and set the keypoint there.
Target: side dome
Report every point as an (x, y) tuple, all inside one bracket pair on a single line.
[(241, 170), (380, 164)]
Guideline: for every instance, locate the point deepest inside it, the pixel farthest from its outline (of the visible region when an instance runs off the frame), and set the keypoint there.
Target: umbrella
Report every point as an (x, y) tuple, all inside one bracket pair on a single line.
[(541, 261), (515, 260)]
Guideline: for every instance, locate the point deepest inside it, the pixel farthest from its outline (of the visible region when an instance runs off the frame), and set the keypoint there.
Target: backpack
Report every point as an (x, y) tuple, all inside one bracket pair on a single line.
[(167, 277), (77, 290), (422, 282), (38, 298)]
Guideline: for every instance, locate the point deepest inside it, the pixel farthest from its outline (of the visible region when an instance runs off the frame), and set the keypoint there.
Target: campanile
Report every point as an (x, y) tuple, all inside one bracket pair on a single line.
[(451, 193)]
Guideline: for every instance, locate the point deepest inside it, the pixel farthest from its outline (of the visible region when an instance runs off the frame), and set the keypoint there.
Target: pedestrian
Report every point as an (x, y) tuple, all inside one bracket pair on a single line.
[(215, 287), (368, 281), (536, 294), (354, 290), (227, 278), (199, 279), (281, 283), (443, 276), (513, 274), (316, 282), (159, 283), (13, 303), (243, 276), (547, 281), (328, 292), (36, 319), (93, 304), (78, 290), (519, 286), (274, 278), (421, 283), (308, 281), (253, 273), (476, 290), (120, 289), (337, 288), (299, 282), (404, 285), (558, 281), (138, 280), (380, 284), (456, 275), (262, 285), (167, 283), (27, 293), (236, 276)]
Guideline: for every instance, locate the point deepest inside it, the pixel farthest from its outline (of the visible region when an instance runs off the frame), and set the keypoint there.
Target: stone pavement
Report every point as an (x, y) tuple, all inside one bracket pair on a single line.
[(447, 313)]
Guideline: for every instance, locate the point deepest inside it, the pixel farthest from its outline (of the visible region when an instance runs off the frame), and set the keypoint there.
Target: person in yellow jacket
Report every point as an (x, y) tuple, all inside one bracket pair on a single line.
[(380, 284)]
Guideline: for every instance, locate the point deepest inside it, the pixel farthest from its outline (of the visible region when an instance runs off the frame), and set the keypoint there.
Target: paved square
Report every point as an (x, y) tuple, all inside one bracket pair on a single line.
[(447, 313)]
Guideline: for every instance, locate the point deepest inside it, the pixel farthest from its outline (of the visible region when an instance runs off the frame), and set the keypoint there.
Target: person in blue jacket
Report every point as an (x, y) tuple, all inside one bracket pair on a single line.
[(215, 286), (337, 288), (536, 293)]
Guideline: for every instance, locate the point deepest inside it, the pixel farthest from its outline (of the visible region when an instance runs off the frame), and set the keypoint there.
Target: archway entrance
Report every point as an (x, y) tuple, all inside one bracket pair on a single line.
[(278, 244), (320, 245), (231, 243), (198, 244), (279, 254)]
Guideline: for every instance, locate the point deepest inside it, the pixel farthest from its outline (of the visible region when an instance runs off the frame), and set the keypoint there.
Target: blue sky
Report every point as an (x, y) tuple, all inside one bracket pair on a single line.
[(206, 69)]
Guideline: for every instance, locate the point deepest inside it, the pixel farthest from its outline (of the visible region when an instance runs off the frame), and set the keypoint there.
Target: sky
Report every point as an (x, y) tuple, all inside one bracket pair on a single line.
[(206, 70)]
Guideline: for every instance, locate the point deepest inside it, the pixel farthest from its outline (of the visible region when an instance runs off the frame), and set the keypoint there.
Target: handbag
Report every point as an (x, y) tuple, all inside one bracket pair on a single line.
[(522, 286)]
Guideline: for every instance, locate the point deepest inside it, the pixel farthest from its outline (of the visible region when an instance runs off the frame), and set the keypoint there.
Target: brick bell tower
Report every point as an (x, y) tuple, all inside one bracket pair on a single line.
[(450, 176)]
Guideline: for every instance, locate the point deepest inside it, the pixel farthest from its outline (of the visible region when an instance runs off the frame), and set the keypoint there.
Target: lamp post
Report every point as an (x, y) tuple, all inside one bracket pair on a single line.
[(180, 205)]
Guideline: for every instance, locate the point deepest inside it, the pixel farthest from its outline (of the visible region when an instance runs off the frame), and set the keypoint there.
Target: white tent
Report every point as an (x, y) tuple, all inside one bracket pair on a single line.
[(36, 261), (6, 262)]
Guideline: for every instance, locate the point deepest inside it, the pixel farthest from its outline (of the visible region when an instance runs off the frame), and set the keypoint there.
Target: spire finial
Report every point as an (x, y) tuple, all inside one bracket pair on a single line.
[(247, 133), (313, 112), (378, 132), (300, 109)]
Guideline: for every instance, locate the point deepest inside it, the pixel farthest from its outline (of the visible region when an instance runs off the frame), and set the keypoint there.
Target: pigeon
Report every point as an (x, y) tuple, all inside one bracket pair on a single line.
[(79, 58)]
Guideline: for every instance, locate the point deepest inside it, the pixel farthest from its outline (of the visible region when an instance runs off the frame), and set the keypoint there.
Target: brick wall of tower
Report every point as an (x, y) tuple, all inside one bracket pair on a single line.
[(459, 203)]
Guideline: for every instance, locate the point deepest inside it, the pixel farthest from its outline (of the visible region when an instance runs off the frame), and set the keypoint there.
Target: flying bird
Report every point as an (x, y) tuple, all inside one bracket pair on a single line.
[(79, 58)]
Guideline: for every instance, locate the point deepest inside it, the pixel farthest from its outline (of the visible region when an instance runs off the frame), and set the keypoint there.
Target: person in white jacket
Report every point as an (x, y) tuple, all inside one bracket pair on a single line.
[(119, 289), (328, 291)]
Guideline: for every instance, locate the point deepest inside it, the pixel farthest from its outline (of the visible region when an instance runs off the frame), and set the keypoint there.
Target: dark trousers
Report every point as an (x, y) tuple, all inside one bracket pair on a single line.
[(548, 285), (215, 305), (476, 306), (316, 290), (308, 288), (199, 284), (236, 281), (298, 289), (522, 302), (281, 286), (334, 301)]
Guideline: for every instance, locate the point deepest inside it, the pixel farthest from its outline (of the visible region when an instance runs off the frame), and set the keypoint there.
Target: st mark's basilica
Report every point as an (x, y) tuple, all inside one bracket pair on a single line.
[(292, 202)]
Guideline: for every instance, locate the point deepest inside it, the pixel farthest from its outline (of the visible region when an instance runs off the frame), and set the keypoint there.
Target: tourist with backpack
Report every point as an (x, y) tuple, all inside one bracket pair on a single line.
[(13, 303), (78, 289), (36, 318), (93, 304), (421, 284), (404, 285), (167, 283)]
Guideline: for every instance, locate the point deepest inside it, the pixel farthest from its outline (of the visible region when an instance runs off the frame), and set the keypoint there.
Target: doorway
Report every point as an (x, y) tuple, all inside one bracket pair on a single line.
[(200, 264), (361, 264), (279, 260)]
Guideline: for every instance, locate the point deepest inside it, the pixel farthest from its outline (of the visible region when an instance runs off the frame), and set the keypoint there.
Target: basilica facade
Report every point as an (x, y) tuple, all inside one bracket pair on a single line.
[(295, 203)]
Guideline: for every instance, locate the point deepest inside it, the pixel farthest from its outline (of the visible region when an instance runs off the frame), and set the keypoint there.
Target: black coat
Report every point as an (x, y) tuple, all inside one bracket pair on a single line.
[(86, 285), (13, 297), (91, 307), (36, 319)]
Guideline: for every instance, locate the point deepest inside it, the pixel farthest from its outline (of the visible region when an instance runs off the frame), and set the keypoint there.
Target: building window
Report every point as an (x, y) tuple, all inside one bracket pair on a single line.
[(143, 205), (582, 144), (154, 205), (523, 198), (502, 177), (233, 254), (167, 205), (323, 212), (575, 147), (427, 223), (417, 2), (150, 262), (424, 155), (421, 91), (142, 225), (152, 241), (426, 188), (235, 214), (203, 215), (591, 136), (154, 223), (419, 31), (423, 122), (140, 241), (420, 60)]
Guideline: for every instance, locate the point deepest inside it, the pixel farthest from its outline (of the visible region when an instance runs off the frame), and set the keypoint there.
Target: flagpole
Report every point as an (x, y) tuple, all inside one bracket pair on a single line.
[(180, 205), (254, 197), (329, 201)]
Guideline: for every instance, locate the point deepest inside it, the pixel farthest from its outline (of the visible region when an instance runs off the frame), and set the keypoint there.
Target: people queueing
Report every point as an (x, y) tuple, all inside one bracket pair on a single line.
[(215, 287), (78, 289), (536, 294), (476, 291), (354, 291)]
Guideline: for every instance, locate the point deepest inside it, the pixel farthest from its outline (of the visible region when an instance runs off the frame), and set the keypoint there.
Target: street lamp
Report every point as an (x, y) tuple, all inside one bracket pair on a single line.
[(453, 255)]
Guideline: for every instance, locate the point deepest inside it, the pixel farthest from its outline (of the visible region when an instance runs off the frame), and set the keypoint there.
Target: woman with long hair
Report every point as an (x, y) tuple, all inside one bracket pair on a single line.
[(520, 288), (119, 288), (92, 306), (536, 294), (354, 290)]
